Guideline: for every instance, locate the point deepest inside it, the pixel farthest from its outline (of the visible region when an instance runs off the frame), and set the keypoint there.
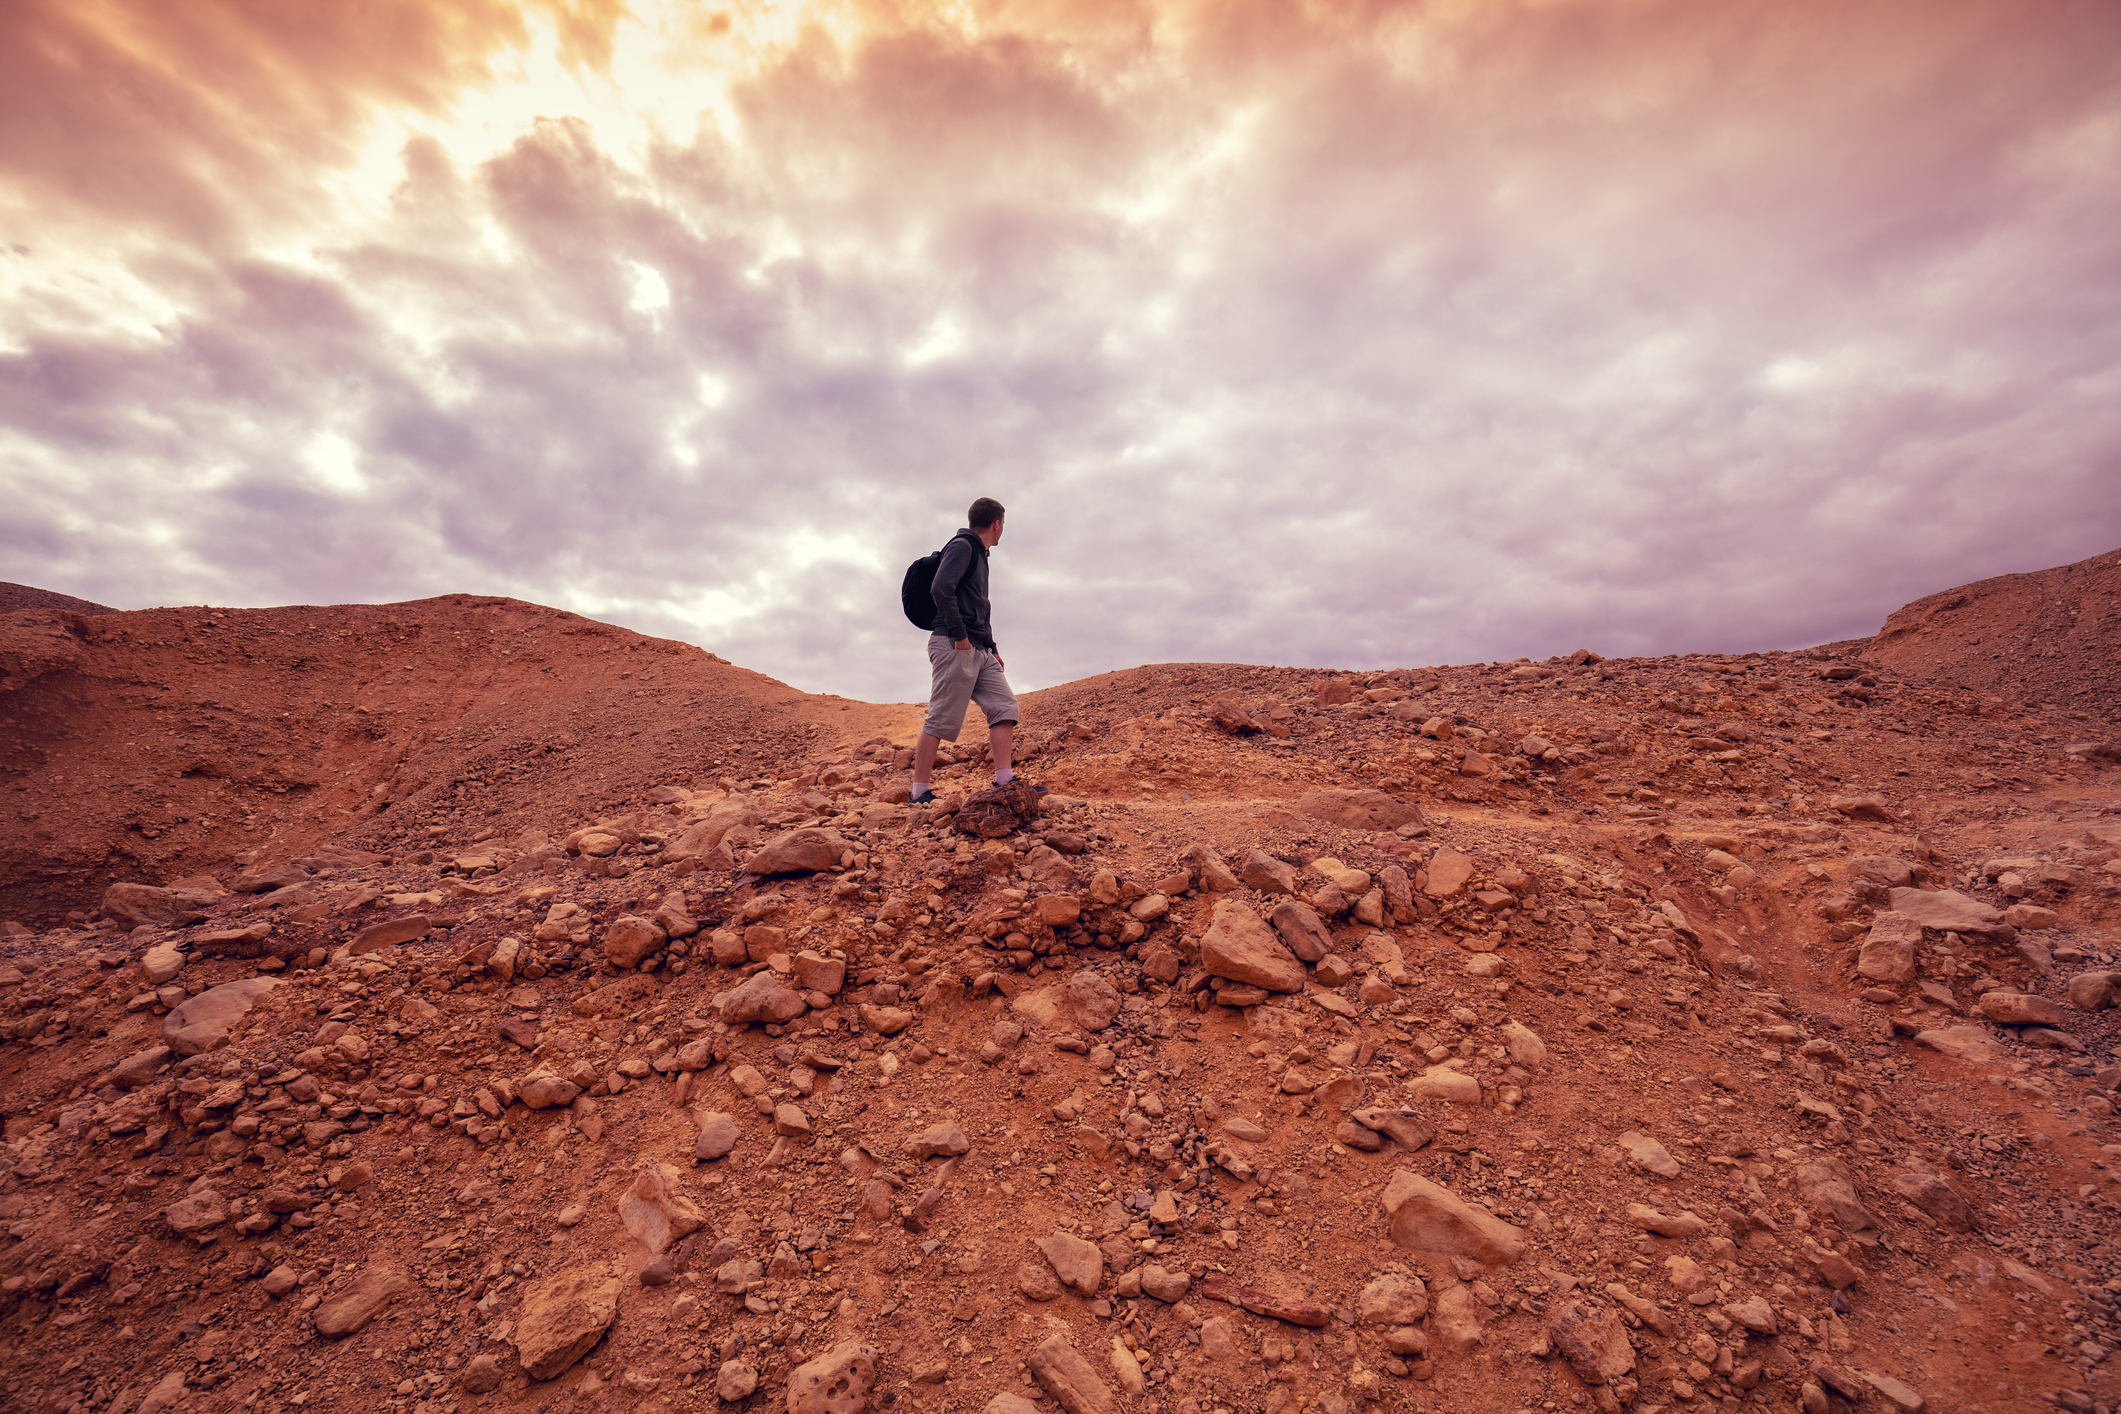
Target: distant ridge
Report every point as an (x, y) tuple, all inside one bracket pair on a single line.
[(14, 598)]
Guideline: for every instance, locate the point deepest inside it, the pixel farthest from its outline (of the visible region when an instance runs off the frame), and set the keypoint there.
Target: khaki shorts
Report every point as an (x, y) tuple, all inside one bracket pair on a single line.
[(958, 678)]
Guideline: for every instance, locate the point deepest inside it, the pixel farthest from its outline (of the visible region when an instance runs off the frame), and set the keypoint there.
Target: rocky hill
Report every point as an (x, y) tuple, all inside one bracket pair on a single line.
[(2052, 637), (581, 1020), (14, 598)]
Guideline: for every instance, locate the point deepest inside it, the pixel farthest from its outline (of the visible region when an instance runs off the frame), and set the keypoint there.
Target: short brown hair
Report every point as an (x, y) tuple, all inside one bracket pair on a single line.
[(985, 512)]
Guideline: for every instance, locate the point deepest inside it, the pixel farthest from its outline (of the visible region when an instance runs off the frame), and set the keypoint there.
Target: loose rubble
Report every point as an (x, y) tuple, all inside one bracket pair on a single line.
[(1641, 1034)]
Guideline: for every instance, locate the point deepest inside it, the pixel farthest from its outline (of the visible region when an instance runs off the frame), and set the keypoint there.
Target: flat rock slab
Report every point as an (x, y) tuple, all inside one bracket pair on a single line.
[(391, 932), (1358, 809), (1448, 872), (1967, 1043), (1949, 911), (564, 1316), (1648, 1155), (360, 1303), (2022, 1009), (1427, 1217), (1240, 947), (203, 1023), (137, 904)]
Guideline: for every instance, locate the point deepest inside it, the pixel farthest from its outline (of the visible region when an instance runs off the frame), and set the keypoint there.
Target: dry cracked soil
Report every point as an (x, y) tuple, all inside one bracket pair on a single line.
[(462, 1005)]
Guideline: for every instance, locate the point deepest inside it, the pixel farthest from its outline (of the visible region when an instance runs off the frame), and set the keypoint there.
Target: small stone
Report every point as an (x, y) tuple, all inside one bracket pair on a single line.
[(1093, 1001), (718, 1135), (943, 1139), (1166, 1286), (1594, 1342), (790, 1121), (543, 1090), (1447, 873), (1240, 947), (1648, 1155), (809, 850), (481, 1376), (734, 1381), (279, 1281), (1238, 1127), (563, 1316), (1524, 1045), (1753, 1313), (629, 941), (204, 1022), (761, 998), (1037, 1281), (885, 1020), (1650, 1220), (659, 1271), (1262, 871), (1901, 1395), (1077, 1262), (1393, 1300)]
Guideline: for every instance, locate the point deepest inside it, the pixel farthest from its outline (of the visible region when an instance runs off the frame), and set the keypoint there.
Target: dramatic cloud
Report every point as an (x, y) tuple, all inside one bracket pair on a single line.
[(1357, 334)]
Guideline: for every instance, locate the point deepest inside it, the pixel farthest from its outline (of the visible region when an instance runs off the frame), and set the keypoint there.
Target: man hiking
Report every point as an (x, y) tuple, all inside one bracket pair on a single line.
[(964, 665)]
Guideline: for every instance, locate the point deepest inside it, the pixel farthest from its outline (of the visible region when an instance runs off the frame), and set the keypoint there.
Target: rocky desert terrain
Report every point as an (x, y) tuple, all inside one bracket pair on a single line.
[(462, 1005)]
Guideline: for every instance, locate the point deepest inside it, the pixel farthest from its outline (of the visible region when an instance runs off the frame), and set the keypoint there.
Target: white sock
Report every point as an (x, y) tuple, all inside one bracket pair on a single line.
[(1004, 776), (919, 786)]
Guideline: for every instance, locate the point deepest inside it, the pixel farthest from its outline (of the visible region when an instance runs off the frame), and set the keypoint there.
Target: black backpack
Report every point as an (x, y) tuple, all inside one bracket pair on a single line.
[(917, 591)]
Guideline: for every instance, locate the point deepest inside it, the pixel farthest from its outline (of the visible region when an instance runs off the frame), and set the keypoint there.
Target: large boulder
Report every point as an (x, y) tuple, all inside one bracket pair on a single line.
[(810, 850), (1240, 947), (140, 905), (564, 1316), (1358, 809), (203, 1023)]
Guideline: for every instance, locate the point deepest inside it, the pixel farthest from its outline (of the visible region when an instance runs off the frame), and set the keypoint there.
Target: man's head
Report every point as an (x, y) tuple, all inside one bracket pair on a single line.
[(985, 518)]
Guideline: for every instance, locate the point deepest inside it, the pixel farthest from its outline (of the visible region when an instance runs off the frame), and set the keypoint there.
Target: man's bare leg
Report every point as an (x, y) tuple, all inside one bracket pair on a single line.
[(924, 749), (1000, 739)]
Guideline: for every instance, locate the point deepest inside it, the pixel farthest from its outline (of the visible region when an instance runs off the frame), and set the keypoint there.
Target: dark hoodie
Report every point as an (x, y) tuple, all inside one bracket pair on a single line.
[(961, 608)]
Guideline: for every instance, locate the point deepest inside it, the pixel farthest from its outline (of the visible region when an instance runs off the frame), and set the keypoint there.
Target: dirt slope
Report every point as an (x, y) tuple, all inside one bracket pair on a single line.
[(1618, 1070), (153, 744), (2052, 637)]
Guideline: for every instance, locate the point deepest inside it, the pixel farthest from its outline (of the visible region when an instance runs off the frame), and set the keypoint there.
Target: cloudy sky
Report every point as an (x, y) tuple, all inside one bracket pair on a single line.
[(1344, 333)]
